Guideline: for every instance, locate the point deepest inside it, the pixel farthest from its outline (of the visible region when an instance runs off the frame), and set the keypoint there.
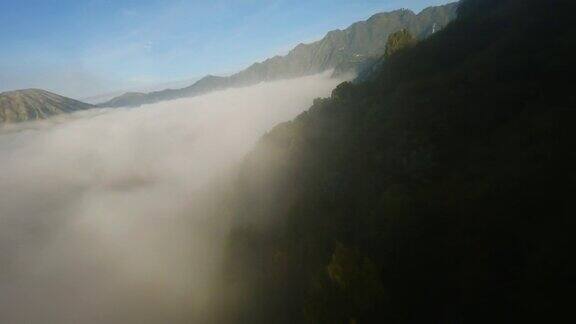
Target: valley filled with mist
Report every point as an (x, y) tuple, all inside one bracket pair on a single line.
[(106, 213)]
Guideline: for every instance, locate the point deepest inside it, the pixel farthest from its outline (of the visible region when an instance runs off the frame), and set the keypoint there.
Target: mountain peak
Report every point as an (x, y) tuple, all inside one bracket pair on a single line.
[(29, 91), (34, 104)]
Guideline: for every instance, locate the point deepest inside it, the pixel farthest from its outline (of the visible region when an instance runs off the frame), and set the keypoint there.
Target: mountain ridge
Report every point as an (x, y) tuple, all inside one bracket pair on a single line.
[(347, 51)]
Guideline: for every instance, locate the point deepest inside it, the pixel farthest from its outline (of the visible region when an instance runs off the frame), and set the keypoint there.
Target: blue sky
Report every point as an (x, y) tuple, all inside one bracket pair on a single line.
[(82, 48)]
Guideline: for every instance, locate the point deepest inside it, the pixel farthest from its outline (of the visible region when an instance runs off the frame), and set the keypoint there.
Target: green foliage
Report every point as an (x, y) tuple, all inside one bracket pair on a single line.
[(398, 41), (350, 284)]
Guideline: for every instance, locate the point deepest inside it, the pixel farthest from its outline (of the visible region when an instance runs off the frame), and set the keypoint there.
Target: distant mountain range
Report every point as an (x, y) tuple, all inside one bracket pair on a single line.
[(346, 51), (102, 97), (34, 104)]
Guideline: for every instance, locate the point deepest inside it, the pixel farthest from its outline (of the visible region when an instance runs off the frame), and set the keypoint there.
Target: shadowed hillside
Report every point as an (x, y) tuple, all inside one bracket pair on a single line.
[(439, 192)]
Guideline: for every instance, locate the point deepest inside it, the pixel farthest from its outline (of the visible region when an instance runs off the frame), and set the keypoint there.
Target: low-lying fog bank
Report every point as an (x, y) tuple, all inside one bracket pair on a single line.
[(101, 212)]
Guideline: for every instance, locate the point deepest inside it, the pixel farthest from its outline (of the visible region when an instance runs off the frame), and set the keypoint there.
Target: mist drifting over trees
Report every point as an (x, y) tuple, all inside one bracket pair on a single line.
[(105, 214)]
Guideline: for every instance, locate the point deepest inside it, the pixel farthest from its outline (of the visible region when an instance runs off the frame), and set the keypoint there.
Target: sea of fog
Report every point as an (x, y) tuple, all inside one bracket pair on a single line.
[(101, 212)]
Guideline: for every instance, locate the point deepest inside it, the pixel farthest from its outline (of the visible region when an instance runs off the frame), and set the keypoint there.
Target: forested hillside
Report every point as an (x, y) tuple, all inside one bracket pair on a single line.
[(439, 192)]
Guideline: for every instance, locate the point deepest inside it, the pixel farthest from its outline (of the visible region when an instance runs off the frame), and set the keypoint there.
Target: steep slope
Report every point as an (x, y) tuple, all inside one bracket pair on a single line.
[(347, 51), (34, 104), (439, 192)]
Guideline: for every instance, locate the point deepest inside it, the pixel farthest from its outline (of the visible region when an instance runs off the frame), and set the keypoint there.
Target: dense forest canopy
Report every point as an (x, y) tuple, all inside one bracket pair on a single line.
[(437, 192)]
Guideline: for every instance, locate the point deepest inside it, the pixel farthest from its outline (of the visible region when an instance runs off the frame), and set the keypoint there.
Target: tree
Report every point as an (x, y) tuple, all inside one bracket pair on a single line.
[(398, 41), (347, 291)]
